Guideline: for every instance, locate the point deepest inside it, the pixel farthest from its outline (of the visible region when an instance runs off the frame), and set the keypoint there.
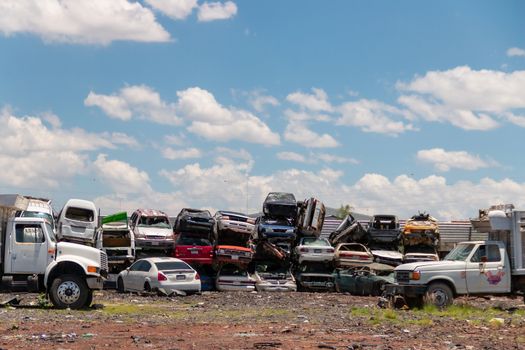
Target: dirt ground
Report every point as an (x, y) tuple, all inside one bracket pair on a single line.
[(261, 321)]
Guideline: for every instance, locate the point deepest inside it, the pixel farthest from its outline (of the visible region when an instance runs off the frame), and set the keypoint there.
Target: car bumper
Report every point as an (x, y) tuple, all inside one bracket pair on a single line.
[(233, 259), (95, 282), (200, 261), (316, 257), (143, 243), (235, 227), (268, 287), (351, 263), (314, 285), (194, 286), (406, 290), (233, 288)]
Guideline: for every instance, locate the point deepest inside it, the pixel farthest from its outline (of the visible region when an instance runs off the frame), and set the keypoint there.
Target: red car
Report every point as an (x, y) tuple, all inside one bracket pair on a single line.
[(233, 254), (193, 250)]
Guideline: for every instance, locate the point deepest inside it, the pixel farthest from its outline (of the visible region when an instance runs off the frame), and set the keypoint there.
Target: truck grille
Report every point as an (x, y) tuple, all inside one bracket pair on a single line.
[(103, 262), (402, 276)]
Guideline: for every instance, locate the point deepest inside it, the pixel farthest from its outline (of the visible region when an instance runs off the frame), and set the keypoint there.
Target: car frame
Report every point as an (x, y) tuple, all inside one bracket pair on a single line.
[(149, 237), (352, 254), (309, 252), (194, 221), (234, 278)]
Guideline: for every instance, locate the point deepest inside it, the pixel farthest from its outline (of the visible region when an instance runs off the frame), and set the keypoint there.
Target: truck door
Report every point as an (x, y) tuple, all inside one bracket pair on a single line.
[(486, 271), (29, 249)]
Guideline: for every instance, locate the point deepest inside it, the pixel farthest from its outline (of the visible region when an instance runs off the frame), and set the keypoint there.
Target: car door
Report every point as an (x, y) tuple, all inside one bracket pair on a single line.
[(131, 276), (485, 271), (142, 274), (29, 249)]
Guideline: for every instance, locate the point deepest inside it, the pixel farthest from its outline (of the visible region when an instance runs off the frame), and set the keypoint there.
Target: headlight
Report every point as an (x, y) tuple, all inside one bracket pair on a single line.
[(415, 275)]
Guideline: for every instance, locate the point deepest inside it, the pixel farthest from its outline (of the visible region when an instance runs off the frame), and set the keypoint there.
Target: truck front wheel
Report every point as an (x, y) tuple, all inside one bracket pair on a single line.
[(439, 294), (69, 291)]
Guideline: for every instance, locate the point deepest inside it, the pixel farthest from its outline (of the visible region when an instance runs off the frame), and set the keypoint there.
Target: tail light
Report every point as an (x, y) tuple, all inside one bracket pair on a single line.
[(330, 250), (197, 276), (161, 277), (303, 250)]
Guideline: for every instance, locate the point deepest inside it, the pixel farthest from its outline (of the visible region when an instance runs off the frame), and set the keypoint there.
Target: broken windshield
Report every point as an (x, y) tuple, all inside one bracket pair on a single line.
[(460, 253), (154, 221)]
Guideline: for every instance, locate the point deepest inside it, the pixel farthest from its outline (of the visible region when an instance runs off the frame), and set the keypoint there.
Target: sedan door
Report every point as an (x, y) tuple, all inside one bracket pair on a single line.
[(130, 277)]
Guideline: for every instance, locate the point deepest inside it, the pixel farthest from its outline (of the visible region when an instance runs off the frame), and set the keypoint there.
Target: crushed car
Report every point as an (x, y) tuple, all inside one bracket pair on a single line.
[(281, 229), (314, 249), (311, 217), (152, 230), (352, 254), (234, 278), (115, 238), (348, 231), (384, 229), (421, 238), (233, 222), (233, 254), (364, 280), (78, 222), (280, 205), (315, 276), (274, 277), (193, 250), (194, 221)]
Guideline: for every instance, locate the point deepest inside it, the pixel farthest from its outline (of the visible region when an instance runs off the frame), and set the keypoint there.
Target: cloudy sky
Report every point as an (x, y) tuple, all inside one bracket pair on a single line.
[(391, 107)]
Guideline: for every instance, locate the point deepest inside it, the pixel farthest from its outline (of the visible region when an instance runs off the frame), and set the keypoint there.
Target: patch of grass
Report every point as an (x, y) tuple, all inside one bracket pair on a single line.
[(424, 322), (375, 316)]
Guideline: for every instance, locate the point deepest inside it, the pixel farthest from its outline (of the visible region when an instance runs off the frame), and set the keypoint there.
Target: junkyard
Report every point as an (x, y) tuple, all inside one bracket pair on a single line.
[(269, 281)]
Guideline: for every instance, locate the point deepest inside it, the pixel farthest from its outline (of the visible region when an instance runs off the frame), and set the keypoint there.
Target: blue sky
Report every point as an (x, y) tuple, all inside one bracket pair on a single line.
[(391, 107)]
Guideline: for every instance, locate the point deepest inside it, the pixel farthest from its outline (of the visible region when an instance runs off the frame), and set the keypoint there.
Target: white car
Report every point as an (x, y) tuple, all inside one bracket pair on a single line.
[(234, 278), (150, 274), (352, 254), (78, 221), (314, 249), (274, 278)]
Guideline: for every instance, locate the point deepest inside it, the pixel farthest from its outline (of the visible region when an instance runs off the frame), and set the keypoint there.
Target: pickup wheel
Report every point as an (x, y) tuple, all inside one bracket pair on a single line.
[(439, 294), (69, 291), (89, 299)]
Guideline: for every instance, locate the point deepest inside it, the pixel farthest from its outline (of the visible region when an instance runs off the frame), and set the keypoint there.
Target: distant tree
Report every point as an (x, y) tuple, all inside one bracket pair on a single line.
[(343, 211)]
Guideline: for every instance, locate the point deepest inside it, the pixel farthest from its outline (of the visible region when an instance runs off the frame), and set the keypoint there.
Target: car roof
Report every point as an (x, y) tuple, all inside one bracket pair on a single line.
[(161, 259), (150, 212), (80, 203)]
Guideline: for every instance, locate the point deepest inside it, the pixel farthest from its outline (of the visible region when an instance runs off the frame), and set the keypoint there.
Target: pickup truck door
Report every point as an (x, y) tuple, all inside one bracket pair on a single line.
[(28, 251), (486, 271)]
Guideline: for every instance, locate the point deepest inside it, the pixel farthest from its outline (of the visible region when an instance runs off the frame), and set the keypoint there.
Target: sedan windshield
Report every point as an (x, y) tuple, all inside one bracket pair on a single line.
[(460, 253)]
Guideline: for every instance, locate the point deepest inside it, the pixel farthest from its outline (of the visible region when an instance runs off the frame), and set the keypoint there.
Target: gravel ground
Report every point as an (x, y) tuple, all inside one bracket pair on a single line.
[(261, 321)]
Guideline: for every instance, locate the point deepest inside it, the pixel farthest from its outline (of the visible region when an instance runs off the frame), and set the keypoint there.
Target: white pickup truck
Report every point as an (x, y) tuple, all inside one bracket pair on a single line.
[(32, 260), (489, 267)]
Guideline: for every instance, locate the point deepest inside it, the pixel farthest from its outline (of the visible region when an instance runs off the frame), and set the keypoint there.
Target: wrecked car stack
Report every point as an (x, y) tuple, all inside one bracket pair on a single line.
[(420, 238)]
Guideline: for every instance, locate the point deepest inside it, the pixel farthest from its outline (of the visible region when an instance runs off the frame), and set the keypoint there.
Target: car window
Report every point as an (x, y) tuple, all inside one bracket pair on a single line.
[(491, 252), (154, 221), (29, 233), (145, 267), (80, 214), (315, 242), (172, 265), (230, 270), (354, 248), (136, 266), (201, 242)]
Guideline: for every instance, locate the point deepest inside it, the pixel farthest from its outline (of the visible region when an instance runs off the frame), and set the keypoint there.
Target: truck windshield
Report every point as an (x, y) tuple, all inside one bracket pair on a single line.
[(460, 253)]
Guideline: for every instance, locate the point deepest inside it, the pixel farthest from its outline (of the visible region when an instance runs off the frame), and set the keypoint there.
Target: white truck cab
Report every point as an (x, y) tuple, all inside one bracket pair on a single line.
[(474, 268), (32, 259)]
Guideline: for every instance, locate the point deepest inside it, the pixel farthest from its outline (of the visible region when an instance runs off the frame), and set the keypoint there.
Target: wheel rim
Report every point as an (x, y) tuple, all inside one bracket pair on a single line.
[(440, 297), (68, 292)]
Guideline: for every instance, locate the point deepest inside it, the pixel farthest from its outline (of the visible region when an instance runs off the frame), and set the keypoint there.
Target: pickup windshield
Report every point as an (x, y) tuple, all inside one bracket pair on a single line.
[(460, 253)]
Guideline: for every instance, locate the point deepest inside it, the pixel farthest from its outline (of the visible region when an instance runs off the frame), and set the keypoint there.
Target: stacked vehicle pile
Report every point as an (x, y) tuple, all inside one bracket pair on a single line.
[(420, 238)]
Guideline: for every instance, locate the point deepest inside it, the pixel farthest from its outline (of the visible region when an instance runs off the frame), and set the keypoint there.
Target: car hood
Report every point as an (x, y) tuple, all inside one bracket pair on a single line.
[(155, 231), (388, 254), (432, 266)]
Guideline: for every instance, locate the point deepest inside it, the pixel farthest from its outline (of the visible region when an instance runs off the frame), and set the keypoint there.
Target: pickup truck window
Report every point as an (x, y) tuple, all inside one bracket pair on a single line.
[(29, 233), (460, 253), (490, 251)]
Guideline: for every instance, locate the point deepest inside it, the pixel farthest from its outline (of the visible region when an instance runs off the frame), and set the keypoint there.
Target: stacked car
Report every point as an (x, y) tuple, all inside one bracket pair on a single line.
[(193, 229), (152, 231), (420, 238)]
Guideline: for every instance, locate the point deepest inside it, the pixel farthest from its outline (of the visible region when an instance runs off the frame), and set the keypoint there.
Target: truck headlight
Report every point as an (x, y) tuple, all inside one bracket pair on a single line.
[(415, 275)]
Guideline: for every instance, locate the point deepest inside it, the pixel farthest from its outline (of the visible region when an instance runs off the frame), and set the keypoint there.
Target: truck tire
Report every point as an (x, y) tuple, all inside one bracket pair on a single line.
[(69, 291), (439, 294), (89, 299)]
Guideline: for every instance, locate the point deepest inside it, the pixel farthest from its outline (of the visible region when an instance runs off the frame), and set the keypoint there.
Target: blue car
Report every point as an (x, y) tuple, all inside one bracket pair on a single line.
[(269, 228)]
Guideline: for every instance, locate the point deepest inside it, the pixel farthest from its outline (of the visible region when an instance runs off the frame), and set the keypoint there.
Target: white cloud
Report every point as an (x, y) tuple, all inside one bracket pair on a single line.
[(330, 158), (119, 138), (178, 140), (176, 9), (515, 51), (32, 153), (317, 102), (200, 105), (445, 160), (232, 153), (299, 133), (212, 11), (120, 176), (469, 99), (188, 153), (137, 101), (81, 21), (374, 116), (306, 115), (295, 157), (259, 101)]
